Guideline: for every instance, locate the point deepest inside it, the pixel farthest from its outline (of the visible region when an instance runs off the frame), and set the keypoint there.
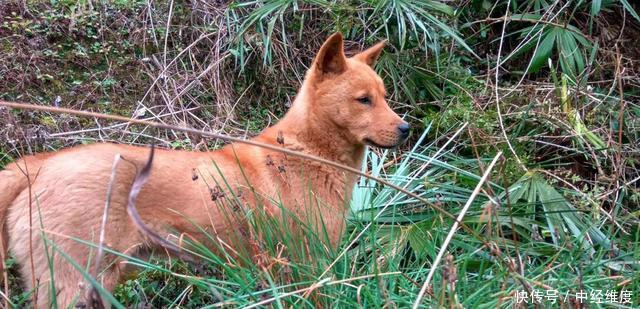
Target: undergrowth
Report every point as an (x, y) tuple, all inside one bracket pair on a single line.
[(552, 85)]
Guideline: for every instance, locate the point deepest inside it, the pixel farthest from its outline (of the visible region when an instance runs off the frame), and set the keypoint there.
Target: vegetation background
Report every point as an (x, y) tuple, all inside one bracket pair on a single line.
[(553, 85)]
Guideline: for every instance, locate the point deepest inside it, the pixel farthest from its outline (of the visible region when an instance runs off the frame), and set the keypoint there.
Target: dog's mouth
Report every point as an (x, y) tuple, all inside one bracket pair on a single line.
[(370, 142)]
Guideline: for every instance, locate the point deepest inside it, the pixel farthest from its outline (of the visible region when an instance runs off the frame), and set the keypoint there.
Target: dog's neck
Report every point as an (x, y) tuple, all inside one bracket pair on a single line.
[(315, 136)]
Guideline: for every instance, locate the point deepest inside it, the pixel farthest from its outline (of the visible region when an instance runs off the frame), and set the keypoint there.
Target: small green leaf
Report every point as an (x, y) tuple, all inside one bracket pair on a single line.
[(543, 52)]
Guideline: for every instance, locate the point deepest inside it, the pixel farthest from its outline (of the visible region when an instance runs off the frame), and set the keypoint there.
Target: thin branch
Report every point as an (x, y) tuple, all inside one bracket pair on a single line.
[(504, 132), (315, 285), (94, 299), (252, 143), (138, 182), (34, 282), (454, 228), (225, 138), (352, 243)]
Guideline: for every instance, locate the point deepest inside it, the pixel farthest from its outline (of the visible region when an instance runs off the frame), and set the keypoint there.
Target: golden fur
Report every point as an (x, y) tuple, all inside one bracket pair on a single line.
[(329, 119)]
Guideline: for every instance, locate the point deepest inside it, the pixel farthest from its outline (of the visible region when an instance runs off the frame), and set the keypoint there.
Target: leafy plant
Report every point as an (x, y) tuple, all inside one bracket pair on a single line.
[(415, 21), (566, 42)]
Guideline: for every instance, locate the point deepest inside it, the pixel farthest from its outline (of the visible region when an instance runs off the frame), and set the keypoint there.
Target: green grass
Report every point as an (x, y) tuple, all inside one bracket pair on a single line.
[(561, 211), (527, 237)]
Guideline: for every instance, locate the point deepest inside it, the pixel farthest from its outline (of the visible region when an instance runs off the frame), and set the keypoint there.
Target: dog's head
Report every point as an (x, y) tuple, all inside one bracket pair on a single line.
[(349, 93)]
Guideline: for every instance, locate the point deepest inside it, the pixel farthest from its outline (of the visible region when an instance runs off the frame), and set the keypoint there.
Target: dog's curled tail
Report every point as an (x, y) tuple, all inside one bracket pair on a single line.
[(12, 182)]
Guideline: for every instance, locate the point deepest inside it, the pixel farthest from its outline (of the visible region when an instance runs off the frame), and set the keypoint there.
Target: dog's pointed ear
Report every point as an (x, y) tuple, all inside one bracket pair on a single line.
[(331, 58), (371, 54)]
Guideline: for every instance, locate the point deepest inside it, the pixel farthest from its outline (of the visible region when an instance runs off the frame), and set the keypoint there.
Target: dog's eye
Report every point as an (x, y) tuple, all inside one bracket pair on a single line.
[(364, 100)]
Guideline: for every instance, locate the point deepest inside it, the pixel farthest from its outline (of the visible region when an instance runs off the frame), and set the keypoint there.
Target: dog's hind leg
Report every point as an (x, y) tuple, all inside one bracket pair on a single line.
[(65, 256), (70, 286), (67, 283)]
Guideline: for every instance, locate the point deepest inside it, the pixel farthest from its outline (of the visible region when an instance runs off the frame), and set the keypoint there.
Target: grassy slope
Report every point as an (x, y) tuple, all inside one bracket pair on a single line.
[(560, 225)]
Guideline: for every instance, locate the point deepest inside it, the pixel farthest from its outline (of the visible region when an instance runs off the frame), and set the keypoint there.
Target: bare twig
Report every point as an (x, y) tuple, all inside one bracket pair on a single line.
[(228, 139), (257, 144), (166, 34), (453, 230), (350, 245), (314, 286), (504, 132), (138, 182), (94, 299)]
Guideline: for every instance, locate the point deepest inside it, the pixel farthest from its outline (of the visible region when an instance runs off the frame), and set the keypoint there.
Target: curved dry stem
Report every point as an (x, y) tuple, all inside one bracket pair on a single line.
[(468, 229)]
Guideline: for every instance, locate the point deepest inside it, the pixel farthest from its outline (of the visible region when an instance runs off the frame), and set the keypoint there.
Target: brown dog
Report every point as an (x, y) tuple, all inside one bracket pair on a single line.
[(339, 109)]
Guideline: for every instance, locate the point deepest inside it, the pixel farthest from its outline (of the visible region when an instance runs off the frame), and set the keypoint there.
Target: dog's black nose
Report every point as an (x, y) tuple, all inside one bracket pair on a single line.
[(404, 129)]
